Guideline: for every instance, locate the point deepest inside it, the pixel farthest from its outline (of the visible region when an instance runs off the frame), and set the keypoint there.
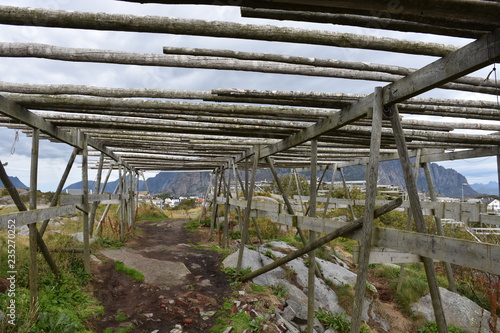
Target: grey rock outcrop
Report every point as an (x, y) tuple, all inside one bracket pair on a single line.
[(458, 310)]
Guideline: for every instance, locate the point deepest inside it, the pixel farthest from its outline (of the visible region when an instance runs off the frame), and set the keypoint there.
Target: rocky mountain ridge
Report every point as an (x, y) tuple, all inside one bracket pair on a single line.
[(448, 182)]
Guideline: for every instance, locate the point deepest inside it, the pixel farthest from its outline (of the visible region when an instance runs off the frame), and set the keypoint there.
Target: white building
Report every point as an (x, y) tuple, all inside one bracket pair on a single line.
[(494, 206)]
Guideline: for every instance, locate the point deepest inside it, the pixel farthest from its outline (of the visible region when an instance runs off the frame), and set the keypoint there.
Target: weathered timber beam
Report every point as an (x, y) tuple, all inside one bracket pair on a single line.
[(155, 24), (17, 112), (449, 10), (362, 21), (84, 102), (33, 216), (45, 51), (459, 155), (461, 62), (363, 70), (346, 229)]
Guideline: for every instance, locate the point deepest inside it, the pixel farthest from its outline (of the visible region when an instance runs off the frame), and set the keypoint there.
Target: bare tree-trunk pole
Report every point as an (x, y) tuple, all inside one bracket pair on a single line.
[(419, 218), (371, 194)]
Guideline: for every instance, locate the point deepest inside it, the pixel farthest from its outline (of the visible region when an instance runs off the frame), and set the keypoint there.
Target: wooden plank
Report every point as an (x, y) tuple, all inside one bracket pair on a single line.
[(490, 219), (459, 155), (33, 216), (78, 199), (482, 256), (383, 255)]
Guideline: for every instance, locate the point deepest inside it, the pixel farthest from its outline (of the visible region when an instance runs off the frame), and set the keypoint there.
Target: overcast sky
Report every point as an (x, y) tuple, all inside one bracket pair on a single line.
[(54, 156)]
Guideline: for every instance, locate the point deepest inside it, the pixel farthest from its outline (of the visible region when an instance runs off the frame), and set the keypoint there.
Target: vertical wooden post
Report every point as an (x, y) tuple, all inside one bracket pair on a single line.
[(408, 222), (214, 204), (347, 195), (416, 210), (299, 190), (33, 269), (244, 231), (106, 210), (122, 202), (95, 204), (288, 205), (371, 194), (131, 199), (330, 188), (312, 237), (498, 172), (439, 226), (85, 204), (60, 186)]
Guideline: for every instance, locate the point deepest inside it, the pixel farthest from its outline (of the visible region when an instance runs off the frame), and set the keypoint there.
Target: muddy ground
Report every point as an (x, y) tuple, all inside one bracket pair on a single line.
[(164, 299)]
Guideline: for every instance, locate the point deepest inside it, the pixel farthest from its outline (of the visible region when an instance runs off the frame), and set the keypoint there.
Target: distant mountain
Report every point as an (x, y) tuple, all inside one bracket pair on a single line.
[(448, 182), (110, 187), (179, 183), (490, 188), (16, 182)]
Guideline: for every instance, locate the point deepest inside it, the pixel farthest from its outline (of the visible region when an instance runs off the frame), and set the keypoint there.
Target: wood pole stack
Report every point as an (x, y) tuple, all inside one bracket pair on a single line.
[(371, 194), (419, 218)]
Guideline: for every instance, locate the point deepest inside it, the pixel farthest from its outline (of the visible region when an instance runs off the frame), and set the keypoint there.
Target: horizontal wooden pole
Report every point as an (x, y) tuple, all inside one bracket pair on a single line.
[(165, 25), (348, 228), (32, 216)]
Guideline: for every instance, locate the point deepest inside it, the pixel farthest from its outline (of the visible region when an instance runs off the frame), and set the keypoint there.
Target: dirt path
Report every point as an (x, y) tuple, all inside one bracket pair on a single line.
[(183, 284)]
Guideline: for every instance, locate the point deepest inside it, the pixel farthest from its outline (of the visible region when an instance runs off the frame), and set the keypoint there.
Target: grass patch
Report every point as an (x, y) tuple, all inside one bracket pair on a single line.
[(432, 328), (240, 321), (147, 212), (133, 273), (192, 225), (232, 275), (414, 284), (257, 288), (338, 321)]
